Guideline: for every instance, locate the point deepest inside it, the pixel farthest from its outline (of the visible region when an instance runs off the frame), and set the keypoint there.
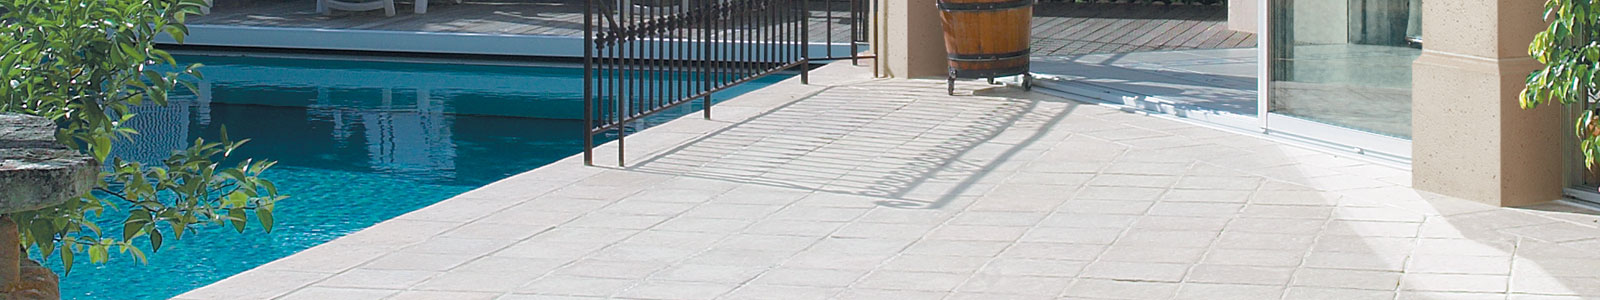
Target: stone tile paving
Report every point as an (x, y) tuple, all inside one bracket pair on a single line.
[(1214, 80), (855, 188)]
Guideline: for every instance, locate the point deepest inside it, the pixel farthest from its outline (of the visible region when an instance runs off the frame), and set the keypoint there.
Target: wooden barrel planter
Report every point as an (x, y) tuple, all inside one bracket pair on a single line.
[(987, 39)]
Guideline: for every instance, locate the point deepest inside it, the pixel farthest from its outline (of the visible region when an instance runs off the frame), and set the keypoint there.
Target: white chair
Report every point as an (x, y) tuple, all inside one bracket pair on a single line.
[(421, 7), (326, 6)]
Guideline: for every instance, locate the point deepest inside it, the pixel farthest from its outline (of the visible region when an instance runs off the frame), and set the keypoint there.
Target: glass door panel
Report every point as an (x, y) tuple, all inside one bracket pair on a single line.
[(1345, 63)]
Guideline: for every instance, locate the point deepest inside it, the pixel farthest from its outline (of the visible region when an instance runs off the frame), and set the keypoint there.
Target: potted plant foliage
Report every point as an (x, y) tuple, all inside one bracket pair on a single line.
[(1570, 56), (83, 64)]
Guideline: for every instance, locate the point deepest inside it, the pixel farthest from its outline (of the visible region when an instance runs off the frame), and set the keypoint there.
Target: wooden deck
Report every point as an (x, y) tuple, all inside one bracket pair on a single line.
[(530, 18), (543, 17), (1075, 29), (1058, 28)]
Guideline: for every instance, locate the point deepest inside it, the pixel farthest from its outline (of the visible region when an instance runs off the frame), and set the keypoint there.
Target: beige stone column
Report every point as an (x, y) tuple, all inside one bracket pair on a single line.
[(912, 40), (1470, 137), (1243, 15)]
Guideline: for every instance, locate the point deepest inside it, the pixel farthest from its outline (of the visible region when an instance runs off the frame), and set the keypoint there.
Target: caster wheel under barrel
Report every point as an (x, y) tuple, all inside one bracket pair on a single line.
[(951, 86), (950, 82), (1027, 82)]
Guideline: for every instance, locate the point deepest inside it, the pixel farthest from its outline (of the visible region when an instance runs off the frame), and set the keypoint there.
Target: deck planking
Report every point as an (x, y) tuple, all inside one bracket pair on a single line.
[(1122, 28)]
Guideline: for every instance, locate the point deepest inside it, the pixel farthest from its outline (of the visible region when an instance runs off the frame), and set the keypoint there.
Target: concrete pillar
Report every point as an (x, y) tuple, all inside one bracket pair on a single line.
[(912, 40), (1243, 14), (1470, 138)]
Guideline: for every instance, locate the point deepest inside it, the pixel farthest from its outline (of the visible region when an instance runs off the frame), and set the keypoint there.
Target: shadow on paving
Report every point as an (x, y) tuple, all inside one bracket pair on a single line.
[(1301, 231), (1189, 80), (920, 149), (1441, 247)]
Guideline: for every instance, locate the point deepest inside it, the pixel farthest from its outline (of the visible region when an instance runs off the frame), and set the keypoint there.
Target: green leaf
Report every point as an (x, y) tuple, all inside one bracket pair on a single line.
[(237, 217), (264, 216), (234, 174), (235, 199), (66, 262), (137, 254), (102, 147), (177, 228), (135, 223), (128, 49), (97, 253), (267, 184), (176, 33), (155, 239), (44, 232)]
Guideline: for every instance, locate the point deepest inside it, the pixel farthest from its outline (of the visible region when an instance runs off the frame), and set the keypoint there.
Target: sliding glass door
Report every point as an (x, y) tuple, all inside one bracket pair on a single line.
[(1340, 71)]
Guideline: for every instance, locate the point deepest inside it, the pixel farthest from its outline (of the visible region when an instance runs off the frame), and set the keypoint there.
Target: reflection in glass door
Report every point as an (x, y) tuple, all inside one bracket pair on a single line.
[(1345, 63)]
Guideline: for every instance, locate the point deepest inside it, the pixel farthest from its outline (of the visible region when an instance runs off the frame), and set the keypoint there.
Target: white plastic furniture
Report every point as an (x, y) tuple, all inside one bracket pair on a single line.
[(327, 6), (629, 9), (421, 6)]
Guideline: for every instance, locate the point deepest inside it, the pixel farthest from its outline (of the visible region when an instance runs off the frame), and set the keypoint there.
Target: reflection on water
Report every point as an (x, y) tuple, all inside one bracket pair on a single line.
[(357, 143), (422, 145)]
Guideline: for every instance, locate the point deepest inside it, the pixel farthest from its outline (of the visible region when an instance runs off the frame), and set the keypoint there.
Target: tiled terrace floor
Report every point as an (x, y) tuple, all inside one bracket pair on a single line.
[(1217, 80), (856, 188)]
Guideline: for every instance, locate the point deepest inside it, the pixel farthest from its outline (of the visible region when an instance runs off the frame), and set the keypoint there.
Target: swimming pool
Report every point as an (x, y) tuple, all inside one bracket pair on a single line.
[(358, 142)]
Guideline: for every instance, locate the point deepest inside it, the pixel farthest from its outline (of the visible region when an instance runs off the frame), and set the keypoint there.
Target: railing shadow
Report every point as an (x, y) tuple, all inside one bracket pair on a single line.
[(911, 149)]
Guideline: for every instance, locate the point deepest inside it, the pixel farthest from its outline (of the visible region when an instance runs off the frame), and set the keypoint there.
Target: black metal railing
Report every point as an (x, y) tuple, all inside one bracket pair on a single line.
[(856, 20), (643, 57)]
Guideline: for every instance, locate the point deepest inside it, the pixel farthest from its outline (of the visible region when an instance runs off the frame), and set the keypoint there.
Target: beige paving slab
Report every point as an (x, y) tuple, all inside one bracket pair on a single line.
[(861, 188)]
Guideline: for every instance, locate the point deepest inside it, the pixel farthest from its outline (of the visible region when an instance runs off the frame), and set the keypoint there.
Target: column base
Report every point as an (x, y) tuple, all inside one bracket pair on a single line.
[(1471, 139)]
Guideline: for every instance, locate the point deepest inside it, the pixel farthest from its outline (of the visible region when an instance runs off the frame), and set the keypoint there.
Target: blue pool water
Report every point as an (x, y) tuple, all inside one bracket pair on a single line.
[(357, 142)]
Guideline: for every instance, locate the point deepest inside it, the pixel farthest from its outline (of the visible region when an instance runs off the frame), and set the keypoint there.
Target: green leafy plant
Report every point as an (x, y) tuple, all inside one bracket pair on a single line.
[(84, 64), (1571, 59)]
